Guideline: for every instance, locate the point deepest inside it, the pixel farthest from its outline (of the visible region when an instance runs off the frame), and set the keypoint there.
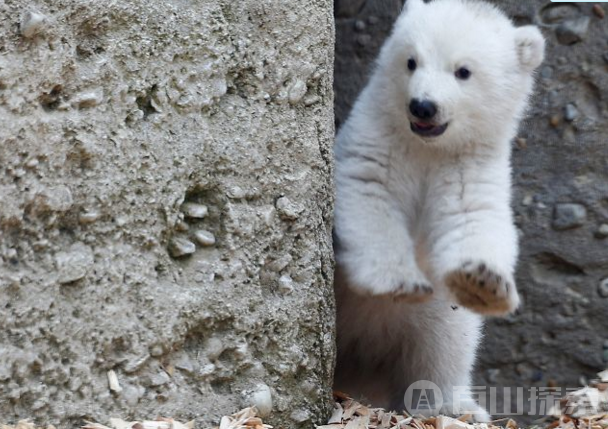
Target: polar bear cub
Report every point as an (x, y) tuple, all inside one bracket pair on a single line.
[(425, 240)]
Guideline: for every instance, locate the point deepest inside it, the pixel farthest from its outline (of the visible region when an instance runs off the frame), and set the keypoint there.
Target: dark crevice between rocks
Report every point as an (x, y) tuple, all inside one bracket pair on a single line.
[(145, 102), (555, 263), (51, 100)]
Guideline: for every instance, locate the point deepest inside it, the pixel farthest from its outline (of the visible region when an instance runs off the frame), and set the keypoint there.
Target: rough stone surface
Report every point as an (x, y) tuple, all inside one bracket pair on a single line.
[(560, 333), (113, 114)]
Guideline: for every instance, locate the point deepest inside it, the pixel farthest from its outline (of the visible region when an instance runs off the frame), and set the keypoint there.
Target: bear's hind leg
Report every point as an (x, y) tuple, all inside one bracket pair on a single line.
[(440, 347)]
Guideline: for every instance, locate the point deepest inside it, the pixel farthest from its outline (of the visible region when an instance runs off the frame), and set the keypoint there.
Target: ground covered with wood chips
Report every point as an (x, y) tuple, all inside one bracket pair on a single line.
[(586, 408)]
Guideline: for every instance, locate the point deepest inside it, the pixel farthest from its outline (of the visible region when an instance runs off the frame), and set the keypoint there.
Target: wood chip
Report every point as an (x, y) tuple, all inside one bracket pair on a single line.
[(91, 425), (336, 416), (350, 409), (444, 422)]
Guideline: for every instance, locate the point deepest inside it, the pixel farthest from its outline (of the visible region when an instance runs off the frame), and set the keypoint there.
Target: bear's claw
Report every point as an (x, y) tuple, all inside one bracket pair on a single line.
[(481, 288)]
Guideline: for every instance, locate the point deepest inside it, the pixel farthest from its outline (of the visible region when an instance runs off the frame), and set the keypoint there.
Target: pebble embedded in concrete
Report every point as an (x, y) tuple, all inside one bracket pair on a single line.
[(184, 363), (602, 288), (280, 264), (57, 199), (207, 370), (179, 247), (297, 91), (74, 264), (236, 193), (136, 364), (572, 31), (182, 226), (570, 112), (158, 379), (156, 350), (88, 217), (214, 348), (32, 163), (261, 398), (32, 23), (87, 100), (132, 394), (287, 209), (546, 72), (569, 215), (364, 39), (204, 238), (300, 416), (311, 99), (285, 284), (195, 211), (602, 231)]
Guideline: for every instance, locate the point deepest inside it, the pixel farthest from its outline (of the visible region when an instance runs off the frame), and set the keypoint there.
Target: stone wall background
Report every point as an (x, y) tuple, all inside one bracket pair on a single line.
[(560, 336), (165, 188)]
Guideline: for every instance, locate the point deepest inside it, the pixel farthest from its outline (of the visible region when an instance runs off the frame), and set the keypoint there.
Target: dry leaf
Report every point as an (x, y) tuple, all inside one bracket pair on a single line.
[(356, 423), (350, 409), (91, 425)]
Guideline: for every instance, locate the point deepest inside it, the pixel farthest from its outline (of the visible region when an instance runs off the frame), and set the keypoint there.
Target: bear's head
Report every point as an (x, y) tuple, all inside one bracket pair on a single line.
[(459, 71)]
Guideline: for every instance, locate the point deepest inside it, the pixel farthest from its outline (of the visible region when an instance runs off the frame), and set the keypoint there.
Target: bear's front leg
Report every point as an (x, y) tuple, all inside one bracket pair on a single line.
[(474, 242), (373, 246)]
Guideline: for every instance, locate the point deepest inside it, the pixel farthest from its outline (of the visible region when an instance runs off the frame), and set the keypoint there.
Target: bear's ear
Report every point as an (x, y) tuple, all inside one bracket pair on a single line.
[(410, 5), (530, 45)]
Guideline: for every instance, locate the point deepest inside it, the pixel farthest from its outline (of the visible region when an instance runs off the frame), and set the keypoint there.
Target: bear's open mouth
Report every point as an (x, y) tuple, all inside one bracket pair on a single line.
[(428, 130)]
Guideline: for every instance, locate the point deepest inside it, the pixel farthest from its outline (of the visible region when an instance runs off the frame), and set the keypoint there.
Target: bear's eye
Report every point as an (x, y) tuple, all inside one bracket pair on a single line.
[(463, 73), (411, 64)]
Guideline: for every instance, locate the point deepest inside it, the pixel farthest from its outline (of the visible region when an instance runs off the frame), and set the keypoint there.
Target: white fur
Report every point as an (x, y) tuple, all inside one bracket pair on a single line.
[(423, 224)]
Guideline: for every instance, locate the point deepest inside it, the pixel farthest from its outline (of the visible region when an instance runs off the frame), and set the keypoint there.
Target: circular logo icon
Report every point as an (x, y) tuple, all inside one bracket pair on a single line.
[(423, 398)]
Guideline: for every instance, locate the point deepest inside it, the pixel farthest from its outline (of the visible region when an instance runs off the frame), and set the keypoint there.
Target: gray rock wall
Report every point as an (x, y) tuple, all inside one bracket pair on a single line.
[(165, 209), (561, 191)]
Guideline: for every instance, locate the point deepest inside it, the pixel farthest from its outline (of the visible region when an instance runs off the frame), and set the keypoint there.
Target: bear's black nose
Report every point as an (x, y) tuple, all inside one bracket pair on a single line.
[(424, 109)]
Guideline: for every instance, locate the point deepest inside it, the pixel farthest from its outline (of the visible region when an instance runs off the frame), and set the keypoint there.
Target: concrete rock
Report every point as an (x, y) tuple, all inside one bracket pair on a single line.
[(115, 116)]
